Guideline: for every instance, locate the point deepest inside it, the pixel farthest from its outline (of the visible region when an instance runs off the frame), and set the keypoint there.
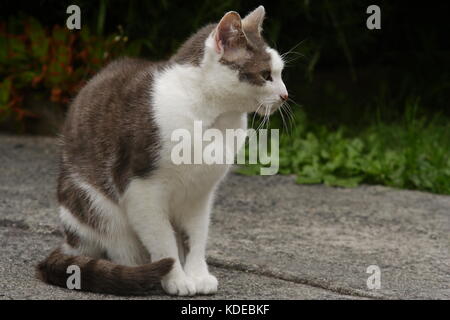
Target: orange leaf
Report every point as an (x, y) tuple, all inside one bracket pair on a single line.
[(56, 95)]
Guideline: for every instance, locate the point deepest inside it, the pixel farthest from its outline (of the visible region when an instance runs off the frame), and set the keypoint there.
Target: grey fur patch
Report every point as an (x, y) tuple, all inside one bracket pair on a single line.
[(192, 51), (72, 238), (110, 134)]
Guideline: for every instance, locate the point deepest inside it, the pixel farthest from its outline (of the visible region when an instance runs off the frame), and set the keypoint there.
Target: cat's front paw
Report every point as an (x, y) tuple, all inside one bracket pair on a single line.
[(205, 284), (180, 286)]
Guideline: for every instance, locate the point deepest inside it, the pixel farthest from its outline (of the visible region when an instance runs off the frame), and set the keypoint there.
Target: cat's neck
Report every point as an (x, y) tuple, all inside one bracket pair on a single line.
[(184, 89)]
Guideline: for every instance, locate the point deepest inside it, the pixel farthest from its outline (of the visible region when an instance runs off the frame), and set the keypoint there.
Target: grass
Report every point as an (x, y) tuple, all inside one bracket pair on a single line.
[(413, 153)]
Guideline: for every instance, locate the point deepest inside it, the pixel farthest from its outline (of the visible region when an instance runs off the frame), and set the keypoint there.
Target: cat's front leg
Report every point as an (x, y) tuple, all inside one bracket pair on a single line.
[(195, 224), (146, 206)]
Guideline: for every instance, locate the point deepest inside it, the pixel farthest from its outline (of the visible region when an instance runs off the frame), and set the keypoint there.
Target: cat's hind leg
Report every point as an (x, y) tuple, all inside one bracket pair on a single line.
[(79, 239), (126, 249)]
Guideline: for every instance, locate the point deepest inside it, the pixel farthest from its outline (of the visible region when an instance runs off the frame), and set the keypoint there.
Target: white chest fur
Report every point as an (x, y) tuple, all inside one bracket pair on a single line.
[(178, 101)]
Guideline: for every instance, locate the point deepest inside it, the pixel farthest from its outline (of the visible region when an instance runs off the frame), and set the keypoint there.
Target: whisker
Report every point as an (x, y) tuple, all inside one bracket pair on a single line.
[(266, 116), (284, 121), (254, 114), (292, 100), (291, 111), (289, 115), (290, 50), (298, 55), (263, 120)]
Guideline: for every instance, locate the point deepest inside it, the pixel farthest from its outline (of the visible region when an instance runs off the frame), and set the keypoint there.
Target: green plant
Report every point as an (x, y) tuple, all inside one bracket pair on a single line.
[(411, 154)]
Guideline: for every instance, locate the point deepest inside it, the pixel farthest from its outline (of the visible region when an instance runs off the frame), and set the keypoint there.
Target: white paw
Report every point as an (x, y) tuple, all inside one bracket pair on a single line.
[(205, 284), (180, 286)]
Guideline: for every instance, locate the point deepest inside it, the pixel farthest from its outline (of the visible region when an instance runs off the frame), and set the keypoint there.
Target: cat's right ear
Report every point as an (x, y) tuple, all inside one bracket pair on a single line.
[(229, 38)]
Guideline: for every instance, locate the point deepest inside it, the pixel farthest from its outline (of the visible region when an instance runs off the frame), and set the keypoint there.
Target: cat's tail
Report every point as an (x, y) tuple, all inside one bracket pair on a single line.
[(102, 276)]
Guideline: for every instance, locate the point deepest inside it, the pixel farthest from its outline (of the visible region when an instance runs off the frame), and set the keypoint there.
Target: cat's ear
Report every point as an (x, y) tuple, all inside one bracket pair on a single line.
[(230, 40), (254, 20)]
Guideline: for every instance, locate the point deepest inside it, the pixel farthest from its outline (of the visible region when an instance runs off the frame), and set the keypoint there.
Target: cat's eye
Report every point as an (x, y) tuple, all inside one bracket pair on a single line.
[(266, 75)]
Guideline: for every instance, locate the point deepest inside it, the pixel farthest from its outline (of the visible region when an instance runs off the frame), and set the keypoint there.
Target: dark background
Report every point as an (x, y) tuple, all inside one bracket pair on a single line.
[(345, 73)]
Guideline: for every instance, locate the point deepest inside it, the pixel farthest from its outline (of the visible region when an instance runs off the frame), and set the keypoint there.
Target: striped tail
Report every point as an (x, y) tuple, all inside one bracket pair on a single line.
[(102, 276)]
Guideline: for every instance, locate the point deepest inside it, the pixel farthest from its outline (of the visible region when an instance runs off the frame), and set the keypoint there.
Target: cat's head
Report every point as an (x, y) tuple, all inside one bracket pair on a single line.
[(237, 63)]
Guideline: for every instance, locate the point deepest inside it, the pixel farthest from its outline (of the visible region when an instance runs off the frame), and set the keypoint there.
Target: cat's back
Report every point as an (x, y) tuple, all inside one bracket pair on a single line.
[(110, 129), (119, 86)]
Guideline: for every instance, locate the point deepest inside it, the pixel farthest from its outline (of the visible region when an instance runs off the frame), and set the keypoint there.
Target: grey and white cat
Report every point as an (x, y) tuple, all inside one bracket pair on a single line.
[(132, 218)]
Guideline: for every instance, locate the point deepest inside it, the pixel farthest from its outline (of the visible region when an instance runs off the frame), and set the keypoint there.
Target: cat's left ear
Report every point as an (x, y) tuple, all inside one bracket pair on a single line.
[(254, 20), (229, 38)]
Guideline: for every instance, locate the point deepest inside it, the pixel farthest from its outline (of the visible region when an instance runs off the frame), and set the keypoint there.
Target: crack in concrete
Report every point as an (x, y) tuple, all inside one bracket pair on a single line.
[(276, 274), (43, 229), (19, 224)]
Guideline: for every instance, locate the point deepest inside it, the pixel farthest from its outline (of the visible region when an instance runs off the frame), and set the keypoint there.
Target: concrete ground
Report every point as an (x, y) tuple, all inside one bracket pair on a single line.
[(269, 239)]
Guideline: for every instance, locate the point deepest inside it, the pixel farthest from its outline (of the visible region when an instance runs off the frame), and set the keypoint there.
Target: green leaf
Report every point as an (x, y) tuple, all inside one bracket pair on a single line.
[(308, 180), (39, 40), (248, 170), (5, 89)]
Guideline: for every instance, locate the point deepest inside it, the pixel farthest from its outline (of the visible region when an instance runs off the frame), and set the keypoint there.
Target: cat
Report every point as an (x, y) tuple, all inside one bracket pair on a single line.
[(132, 219)]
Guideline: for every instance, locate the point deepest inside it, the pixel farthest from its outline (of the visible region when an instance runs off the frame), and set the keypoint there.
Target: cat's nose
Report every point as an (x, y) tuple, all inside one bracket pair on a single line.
[(284, 96)]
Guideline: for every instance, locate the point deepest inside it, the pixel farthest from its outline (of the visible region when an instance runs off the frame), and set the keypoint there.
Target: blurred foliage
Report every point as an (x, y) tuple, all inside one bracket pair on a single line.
[(413, 153), (51, 62)]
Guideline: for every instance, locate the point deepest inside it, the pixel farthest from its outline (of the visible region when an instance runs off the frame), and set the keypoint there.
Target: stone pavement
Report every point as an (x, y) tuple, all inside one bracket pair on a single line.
[(269, 239)]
